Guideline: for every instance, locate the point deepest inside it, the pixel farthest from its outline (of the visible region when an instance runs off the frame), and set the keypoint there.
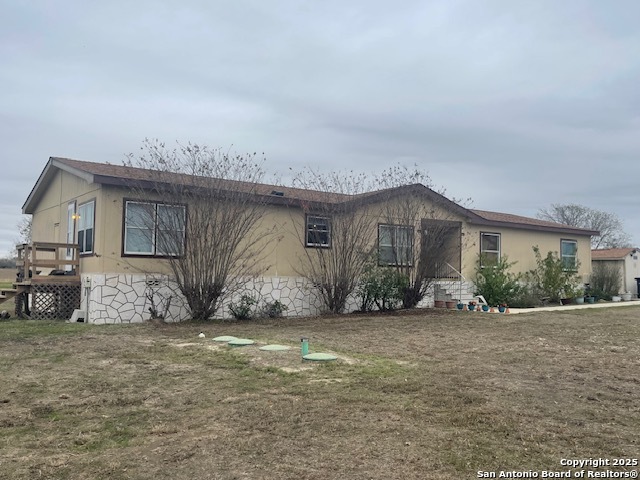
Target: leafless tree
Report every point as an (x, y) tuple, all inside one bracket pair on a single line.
[(202, 210), (421, 236), (336, 234), (24, 229), (612, 234), (394, 217), (24, 232)]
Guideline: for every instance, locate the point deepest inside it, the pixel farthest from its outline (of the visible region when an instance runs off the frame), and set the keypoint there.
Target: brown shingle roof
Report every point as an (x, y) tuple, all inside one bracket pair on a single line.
[(523, 222), (611, 253), (122, 175), (125, 175)]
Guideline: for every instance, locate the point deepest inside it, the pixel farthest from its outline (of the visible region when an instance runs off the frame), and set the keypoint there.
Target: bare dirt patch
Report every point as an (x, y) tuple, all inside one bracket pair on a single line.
[(436, 395)]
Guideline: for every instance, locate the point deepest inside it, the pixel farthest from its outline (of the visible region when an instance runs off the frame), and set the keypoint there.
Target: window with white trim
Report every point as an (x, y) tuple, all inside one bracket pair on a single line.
[(86, 223), (318, 231), (395, 245), (569, 254), (154, 229), (489, 248)]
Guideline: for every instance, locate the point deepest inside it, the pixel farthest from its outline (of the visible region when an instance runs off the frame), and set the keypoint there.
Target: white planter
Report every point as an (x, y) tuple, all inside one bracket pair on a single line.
[(615, 298), (626, 297)]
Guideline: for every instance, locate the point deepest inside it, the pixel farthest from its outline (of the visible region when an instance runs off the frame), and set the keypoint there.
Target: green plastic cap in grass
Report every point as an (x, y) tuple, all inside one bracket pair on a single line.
[(320, 357), (275, 348), (241, 342)]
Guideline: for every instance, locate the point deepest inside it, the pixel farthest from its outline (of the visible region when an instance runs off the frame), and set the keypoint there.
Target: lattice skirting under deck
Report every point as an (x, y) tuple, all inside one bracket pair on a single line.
[(51, 301)]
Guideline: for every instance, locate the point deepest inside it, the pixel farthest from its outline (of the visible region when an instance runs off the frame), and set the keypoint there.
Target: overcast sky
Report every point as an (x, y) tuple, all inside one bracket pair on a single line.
[(516, 104)]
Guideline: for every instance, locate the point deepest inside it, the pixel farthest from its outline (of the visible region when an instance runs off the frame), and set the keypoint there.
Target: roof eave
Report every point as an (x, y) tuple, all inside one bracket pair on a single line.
[(538, 228), (45, 177)]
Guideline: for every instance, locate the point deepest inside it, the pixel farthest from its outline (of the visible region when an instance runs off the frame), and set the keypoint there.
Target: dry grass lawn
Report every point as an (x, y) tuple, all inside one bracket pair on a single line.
[(427, 395)]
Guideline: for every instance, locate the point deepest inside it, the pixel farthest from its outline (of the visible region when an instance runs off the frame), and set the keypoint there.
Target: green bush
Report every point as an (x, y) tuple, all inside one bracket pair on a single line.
[(495, 282), (528, 296), (243, 310), (605, 280), (273, 309), (382, 287), (551, 278)]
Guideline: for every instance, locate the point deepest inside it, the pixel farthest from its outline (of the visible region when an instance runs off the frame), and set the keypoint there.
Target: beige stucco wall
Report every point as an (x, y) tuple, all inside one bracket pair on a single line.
[(282, 252), (517, 245), (50, 213)]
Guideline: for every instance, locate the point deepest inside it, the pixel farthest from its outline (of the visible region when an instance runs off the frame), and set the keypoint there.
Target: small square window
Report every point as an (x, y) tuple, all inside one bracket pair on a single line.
[(318, 231)]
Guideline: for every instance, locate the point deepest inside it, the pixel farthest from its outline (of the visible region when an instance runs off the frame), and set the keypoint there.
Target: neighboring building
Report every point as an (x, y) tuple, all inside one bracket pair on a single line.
[(625, 260), (92, 204)]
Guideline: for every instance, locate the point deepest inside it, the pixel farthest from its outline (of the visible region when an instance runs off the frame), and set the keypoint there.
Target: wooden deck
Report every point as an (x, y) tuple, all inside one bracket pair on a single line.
[(48, 280), (41, 261), (7, 294)]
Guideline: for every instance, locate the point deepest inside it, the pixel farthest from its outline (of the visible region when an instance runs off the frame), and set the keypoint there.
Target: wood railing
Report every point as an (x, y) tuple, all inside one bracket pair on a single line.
[(48, 262)]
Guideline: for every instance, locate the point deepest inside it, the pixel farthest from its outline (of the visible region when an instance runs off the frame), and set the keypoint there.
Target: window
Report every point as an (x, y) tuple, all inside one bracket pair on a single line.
[(154, 229), (395, 245), (85, 218), (318, 231), (489, 248), (569, 254)]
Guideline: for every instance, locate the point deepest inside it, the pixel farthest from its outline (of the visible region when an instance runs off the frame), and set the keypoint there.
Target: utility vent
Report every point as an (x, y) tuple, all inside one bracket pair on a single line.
[(277, 193)]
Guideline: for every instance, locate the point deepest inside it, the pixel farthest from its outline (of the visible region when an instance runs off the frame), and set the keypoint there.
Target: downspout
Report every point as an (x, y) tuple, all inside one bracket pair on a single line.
[(87, 293)]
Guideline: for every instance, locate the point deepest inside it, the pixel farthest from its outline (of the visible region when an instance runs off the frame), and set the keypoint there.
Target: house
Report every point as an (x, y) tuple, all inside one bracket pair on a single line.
[(122, 272), (625, 260)]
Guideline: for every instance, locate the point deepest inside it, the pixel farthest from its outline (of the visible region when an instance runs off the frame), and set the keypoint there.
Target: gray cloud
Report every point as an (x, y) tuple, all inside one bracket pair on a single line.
[(516, 105)]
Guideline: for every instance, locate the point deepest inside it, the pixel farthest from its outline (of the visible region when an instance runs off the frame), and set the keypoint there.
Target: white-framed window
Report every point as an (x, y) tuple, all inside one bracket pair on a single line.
[(318, 231), (86, 225), (569, 254), (154, 229), (395, 245), (489, 248)]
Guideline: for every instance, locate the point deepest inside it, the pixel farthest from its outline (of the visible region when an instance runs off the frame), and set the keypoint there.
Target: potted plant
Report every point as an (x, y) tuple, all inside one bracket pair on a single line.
[(451, 303), (579, 296), (485, 308), (471, 306), (460, 305), (626, 296), (569, 293), (502, 307)]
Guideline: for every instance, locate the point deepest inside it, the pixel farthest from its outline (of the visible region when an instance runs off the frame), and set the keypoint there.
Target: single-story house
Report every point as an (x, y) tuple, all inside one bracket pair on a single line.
[(92, 204), (625, 260)]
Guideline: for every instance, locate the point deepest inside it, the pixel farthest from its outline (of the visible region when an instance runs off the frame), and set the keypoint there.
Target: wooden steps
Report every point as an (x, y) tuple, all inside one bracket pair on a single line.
[(7, 294)]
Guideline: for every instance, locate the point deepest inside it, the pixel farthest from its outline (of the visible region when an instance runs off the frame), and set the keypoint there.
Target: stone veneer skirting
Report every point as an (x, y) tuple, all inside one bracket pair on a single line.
[(126, 298)]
